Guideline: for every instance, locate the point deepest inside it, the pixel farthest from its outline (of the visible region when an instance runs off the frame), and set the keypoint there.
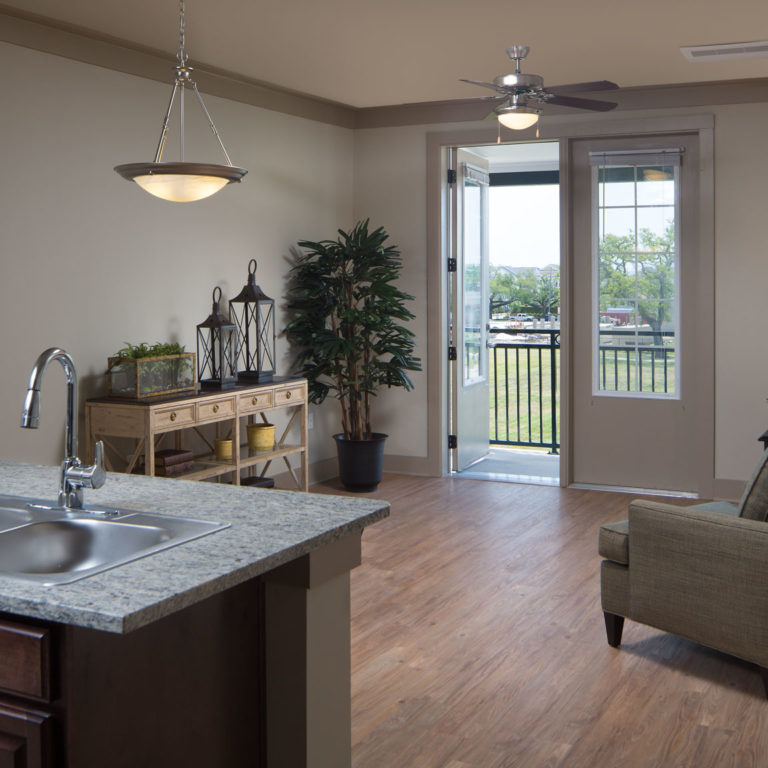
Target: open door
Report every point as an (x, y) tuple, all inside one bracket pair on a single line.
[(470, 313)]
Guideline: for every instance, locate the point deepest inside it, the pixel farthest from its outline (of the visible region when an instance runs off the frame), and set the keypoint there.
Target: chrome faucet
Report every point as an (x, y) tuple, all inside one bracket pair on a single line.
[(74, 475)]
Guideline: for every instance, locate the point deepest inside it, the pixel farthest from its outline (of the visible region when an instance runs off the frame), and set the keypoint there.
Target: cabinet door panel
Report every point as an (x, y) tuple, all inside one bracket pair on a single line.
[(11, 751), (24, 660), (25, 739)]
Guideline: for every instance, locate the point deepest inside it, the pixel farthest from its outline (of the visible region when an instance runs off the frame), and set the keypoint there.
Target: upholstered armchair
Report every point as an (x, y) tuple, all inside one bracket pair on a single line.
[(700, 572)]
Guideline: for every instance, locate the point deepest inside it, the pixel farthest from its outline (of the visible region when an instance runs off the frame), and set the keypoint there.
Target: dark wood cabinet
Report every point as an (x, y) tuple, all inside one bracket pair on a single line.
[(26, 724), (25, 738), (25, 661), (186, 690)]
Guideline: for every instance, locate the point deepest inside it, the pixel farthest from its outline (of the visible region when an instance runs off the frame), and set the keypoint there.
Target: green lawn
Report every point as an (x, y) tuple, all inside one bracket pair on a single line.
[(520, 380), (617, 374)]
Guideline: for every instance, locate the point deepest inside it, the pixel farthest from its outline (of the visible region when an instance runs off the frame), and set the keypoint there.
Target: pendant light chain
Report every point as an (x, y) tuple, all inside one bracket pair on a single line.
[(182, 181), (181, 56)]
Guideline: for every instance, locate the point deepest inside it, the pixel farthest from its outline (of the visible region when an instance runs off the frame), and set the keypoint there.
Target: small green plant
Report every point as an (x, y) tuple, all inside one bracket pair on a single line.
[(156, 375), (136, 351), (346, 314)]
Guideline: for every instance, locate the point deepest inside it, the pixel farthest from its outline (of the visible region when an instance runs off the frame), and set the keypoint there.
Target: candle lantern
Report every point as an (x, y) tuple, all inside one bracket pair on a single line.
[(253, 312), (217, 349)]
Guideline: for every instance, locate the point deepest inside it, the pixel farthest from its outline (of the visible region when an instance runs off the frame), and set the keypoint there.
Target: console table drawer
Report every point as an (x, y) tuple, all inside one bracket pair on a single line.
[(170, 418), (25, 660), (287, 396), (216, 409), (256, 402)]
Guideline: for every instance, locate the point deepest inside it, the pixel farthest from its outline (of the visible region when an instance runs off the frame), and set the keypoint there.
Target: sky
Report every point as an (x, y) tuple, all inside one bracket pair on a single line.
[(524, 226)]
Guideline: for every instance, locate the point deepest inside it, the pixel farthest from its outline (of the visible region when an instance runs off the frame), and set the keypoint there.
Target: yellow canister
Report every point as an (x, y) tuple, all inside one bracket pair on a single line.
[(223, 450), (261, 437)]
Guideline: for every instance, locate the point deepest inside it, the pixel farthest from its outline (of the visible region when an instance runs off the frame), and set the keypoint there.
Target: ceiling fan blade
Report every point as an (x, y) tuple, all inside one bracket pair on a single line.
[(594, 85), (572, 101), (484, 85)]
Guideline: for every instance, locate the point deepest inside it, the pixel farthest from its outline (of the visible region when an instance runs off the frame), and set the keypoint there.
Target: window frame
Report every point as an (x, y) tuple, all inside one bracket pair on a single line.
[(631, 159)]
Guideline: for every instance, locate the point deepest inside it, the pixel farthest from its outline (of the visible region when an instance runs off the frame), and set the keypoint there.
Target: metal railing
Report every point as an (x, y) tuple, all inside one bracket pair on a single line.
[(523, 378), (524, 375), (637, 361)]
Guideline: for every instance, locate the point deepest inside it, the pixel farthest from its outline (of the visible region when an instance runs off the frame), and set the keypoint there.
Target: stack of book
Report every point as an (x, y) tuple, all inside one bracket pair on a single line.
[(172, 461)]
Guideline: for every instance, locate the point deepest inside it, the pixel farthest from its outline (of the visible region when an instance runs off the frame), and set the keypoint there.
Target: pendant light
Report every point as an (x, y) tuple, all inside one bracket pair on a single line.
[(181, 181)]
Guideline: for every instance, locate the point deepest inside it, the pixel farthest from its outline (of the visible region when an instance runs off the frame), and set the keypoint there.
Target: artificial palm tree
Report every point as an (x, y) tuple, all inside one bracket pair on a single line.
[(346, 319)]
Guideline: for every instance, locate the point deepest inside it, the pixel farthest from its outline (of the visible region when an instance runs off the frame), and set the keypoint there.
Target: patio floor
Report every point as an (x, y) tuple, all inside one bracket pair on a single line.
[(516, 465)]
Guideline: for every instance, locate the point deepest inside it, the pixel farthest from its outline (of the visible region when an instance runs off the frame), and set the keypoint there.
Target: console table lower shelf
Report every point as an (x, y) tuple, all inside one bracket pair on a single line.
[(173, 421)]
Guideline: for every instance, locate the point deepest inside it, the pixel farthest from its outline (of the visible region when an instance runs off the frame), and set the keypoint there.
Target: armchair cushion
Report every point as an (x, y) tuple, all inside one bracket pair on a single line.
[(754, 501), (613, 542)]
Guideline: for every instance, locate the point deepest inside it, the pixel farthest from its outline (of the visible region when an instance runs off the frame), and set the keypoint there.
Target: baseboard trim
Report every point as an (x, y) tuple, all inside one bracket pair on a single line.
[(327, 469), (629, 489)]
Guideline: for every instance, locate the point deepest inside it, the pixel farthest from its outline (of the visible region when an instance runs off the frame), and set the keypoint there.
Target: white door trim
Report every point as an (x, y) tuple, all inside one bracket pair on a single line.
[(438, 229)]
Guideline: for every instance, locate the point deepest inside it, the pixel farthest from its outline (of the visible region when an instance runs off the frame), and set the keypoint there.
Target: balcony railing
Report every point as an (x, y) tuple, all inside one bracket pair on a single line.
[(523, 378), (637, 361), (524, 375)]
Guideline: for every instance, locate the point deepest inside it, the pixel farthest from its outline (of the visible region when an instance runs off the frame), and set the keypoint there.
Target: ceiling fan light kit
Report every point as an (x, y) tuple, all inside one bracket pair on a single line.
[(523, 95), (517, 118), (182, 181)]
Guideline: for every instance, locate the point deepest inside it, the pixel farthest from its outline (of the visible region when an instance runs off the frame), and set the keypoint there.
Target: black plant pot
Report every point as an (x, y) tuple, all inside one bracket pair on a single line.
[(361, 462)]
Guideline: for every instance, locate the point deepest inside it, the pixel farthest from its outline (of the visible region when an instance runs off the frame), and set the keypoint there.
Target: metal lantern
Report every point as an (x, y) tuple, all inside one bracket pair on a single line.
[(254, 314), (217, 349)]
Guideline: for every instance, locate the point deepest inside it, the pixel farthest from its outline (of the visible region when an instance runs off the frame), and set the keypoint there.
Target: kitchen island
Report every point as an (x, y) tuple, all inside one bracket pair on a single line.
[(230, 650)]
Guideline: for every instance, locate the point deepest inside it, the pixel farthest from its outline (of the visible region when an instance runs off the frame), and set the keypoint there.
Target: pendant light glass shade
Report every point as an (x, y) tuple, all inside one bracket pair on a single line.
[(182, 182), (517, 118)]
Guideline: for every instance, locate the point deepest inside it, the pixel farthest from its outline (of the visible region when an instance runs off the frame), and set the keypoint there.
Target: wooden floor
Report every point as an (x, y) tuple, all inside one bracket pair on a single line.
[(478, 642)]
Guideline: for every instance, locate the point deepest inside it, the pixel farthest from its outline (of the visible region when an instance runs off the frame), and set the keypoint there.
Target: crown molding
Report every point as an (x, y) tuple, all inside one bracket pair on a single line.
[(641, 97), (79, 44), (83, 45)]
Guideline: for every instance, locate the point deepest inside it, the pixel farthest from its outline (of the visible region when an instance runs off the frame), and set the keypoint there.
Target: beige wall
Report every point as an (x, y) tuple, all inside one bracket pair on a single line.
[(390, 189), (89, 261), (741, 277), (390, 177)]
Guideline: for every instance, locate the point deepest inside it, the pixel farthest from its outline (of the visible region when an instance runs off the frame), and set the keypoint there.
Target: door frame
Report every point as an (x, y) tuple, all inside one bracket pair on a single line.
[(563, 129)]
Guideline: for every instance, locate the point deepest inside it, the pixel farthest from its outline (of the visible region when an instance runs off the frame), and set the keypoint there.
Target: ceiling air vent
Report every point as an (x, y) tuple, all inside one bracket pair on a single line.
[(726, 51)]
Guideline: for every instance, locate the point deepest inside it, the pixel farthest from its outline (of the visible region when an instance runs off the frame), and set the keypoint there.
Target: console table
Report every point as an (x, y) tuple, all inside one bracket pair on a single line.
[(150, 423)]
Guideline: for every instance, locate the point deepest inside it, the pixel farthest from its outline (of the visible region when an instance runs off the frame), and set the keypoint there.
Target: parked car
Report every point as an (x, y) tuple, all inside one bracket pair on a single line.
[(522, 317)]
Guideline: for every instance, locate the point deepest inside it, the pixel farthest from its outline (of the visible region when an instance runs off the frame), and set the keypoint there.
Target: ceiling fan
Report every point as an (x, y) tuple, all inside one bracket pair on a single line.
[(524, 95)]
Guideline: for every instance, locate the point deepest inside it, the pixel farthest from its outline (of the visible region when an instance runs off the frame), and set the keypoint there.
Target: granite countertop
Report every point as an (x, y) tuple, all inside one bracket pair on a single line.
[(268, 528)]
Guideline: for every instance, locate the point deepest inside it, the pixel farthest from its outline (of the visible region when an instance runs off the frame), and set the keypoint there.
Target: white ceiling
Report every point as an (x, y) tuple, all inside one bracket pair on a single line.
[(367, 53)]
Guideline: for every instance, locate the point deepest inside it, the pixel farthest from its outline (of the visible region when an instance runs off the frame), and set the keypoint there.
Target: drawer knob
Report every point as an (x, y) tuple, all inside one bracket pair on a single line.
[(254, 400), (287, 395), (172, 417), (216, 408)]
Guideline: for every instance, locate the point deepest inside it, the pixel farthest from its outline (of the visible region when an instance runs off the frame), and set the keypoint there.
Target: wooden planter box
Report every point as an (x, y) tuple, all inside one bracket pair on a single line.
[(145, 377)]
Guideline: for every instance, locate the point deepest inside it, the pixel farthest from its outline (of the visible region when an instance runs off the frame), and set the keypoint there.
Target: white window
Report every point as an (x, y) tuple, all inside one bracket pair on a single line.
[(636, 273), (475, 269)]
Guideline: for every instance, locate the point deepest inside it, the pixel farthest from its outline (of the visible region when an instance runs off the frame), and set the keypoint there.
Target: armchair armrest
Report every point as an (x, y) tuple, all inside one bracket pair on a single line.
[(701, 575)]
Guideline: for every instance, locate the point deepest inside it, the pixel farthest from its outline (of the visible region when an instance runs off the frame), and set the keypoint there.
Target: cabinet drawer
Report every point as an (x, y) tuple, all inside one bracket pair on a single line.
[(256, 401), (26, 738), (170, 418), (287, 396), (25, 660), (216, 409)]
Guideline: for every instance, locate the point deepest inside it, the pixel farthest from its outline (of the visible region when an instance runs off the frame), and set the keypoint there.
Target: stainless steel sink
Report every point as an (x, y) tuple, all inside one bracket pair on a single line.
[(50, 545)]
